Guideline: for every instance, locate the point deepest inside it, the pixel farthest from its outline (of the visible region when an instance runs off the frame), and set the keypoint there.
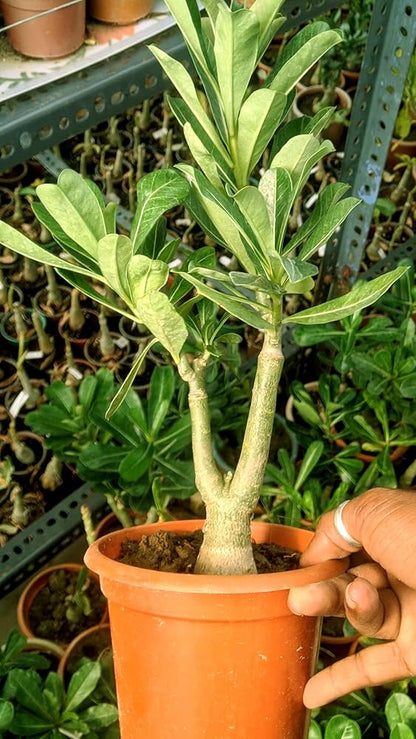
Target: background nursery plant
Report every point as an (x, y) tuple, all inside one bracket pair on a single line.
[(244, 210)]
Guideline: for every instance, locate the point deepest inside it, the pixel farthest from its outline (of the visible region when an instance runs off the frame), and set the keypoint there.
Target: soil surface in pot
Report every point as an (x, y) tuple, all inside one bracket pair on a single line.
[(170, 552), (48, 612)]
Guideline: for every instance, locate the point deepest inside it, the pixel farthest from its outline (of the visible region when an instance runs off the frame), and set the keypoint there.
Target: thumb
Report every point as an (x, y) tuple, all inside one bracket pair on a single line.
[(384, 521)]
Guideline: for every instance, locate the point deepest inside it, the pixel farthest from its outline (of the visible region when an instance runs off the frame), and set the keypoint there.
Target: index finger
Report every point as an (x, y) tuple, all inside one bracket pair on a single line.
[(372, 666), (327, 542), (384, 520)]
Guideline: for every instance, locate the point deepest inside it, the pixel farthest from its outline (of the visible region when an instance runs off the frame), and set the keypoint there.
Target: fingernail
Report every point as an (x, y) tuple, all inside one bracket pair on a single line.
[(349, 597)]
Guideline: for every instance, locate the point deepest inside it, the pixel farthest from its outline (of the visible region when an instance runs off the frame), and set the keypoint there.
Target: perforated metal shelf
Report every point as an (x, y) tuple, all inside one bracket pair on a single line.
[(392, 37), (53, 113), (40, 541)]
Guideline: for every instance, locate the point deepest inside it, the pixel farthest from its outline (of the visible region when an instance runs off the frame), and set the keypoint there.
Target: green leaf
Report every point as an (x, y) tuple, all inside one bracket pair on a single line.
[(277, 189), (323, 208), (297, 270), (114, 255), (237, 307), (176, 438), (298, 156), (86, 392), (121, 394), (83, 682), (74, 205), (163, 321), (157, 192), (401, 731), (252, 205), (341, 727), (144, 276), (67, 244), (311, 458), (305, 50), (162, 387), (224, 214), (14, 644), (16, 241), (26, 686), (269, 19), (314, 731), (55, 687), (205, 160), (235, 50), (136, 463), (6, 714), (26, 724), (400, 708), (259, 117), (186, 88), (186, 117), (100, 716), (328, 224), (62, 396), (187, 16), (254, 283), (110, 215), (359, 297), (101, 459)]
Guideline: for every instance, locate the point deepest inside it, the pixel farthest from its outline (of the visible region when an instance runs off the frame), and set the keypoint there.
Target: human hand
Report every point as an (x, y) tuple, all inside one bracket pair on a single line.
[(377, 594)]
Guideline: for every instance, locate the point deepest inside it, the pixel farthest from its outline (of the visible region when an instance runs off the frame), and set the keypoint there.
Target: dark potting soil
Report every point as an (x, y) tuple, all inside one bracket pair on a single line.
[(48, 612), (167, 551)]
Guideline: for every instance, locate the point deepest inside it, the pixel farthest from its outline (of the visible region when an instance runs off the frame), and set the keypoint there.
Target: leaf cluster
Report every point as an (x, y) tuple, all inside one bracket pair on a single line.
[(145, 439), (388, 712), (34, 706)]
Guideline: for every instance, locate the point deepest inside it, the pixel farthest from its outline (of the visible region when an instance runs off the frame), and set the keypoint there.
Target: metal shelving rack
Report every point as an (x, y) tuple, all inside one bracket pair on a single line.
[(30, 124), (48, 115)]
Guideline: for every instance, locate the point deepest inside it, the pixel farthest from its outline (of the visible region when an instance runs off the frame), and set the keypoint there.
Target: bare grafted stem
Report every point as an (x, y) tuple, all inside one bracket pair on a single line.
[(249, 473), (230, 500), (208, 478)]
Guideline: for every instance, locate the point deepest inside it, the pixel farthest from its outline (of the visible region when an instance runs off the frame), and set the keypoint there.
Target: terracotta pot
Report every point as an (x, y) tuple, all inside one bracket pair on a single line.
[(79, 338), (8, 375), (33, 587), (37, 445), (397, 147), (120, 12), (89, 643), (52, 35), (8, 332), (220, 656), (52, 312), (336, 639), (302, 103), (93, 355), (110, 523), (368, 458)]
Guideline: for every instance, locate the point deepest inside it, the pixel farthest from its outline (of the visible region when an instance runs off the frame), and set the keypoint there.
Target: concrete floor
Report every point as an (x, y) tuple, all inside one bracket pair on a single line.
[(8, 604)]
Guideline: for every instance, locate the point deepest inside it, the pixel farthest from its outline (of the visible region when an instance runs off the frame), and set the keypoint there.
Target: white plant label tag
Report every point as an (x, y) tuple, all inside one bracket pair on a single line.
[(18, 403), (122, 342), (74, 372), (35, 355)]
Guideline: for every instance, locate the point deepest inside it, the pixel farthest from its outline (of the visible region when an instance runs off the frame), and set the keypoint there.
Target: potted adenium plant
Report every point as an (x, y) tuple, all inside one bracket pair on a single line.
[(227, 658)]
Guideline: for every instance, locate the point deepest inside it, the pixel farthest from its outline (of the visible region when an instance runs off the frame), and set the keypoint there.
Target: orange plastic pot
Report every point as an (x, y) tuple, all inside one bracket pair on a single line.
[(120, 12), (53, 35), (209, 656)]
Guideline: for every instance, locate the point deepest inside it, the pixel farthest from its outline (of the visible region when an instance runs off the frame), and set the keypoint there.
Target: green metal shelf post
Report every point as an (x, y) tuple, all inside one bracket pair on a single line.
[(391, 40)]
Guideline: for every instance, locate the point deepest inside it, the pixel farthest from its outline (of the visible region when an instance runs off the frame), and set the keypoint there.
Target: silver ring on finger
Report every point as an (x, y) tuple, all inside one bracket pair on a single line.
[(342, 530)]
